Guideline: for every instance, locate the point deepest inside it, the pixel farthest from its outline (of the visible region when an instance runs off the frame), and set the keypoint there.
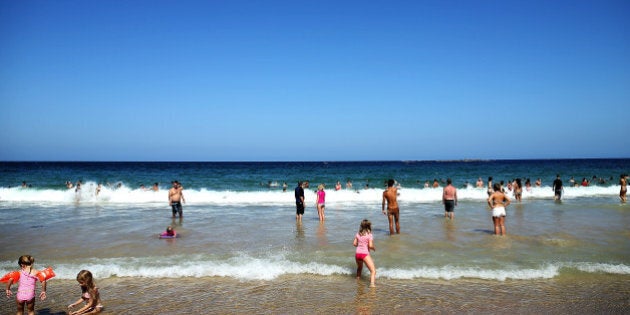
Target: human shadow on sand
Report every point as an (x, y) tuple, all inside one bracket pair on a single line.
[(47, 311), (484, 231)]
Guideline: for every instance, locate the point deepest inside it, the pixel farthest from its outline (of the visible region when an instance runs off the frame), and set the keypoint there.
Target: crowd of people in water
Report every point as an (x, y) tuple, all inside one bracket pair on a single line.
[(497, 201)]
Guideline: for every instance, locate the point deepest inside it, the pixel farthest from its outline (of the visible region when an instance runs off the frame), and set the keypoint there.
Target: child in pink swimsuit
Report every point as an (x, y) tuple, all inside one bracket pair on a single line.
[(26, 286), (90, 295), (364, 242)]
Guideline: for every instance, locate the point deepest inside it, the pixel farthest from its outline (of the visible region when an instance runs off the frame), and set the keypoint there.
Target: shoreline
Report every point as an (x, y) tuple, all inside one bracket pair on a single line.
[(581, 293)]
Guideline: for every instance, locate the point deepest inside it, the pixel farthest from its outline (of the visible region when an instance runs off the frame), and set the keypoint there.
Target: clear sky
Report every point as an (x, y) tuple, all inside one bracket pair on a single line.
[(313, 80)]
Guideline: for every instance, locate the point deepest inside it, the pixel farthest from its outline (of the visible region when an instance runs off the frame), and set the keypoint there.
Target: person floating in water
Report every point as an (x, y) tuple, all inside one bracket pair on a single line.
[(170, 232)]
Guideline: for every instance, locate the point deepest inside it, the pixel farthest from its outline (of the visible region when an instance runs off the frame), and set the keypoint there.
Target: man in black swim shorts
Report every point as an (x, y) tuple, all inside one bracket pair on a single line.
[(177, 208), (557, 187), (299, 202), (449, 199), (175, 198)]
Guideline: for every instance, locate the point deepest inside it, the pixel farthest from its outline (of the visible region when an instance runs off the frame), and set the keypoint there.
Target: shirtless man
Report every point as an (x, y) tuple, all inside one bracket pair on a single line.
[(449, 199), (393, 213), (557, 188), (175, 199), (479, 183), (623, 181), (490, 190), (497, 202), (299, 202)]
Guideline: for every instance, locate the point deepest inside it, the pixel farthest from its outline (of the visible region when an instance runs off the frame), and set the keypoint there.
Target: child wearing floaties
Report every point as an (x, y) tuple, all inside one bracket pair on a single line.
[(26, 285)]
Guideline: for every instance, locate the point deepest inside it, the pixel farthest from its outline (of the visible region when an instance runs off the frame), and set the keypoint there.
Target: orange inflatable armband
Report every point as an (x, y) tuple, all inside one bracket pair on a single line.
[(45, 274), (13, 275)]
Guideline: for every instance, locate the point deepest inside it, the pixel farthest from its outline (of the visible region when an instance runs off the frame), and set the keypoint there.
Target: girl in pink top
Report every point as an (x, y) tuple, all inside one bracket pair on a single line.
[(363, 241), (90, 296), (26, 286), (321, 200)]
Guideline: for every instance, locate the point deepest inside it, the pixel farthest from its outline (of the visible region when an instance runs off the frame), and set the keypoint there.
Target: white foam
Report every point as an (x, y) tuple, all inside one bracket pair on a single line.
[(245, 267), (450, 273), (125, 195), (605, 268)]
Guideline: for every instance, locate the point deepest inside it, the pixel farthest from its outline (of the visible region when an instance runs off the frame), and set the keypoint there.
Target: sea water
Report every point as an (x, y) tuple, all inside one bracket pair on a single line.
[(239, 224)]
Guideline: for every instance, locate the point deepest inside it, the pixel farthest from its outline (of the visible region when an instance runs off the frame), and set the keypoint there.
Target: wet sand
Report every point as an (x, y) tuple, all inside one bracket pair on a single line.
[(578, 294)]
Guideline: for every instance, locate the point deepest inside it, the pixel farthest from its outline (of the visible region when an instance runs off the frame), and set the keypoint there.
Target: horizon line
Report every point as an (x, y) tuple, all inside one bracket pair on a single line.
[(311, 161)]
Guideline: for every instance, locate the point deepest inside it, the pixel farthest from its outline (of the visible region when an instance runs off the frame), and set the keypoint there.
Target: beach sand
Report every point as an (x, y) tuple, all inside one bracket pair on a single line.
[(578, 294)]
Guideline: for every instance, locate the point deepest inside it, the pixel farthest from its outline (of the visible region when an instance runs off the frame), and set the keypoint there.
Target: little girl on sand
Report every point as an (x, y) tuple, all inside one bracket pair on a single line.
[(26, 286), (90, 295), (363, 241)]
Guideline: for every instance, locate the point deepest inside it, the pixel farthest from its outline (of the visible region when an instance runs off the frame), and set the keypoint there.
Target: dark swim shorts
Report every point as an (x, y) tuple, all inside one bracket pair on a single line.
[(177, 208), (299, 208), (449, 205)]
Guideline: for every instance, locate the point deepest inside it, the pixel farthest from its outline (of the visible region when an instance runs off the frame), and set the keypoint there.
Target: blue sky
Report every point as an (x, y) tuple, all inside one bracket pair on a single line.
[(313, 80)]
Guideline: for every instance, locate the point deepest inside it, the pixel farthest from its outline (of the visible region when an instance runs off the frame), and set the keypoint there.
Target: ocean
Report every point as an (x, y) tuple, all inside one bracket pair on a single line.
[(240, 249)]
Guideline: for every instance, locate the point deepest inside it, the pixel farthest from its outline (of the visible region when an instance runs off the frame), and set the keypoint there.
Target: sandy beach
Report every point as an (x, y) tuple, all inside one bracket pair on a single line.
[(590, 294)]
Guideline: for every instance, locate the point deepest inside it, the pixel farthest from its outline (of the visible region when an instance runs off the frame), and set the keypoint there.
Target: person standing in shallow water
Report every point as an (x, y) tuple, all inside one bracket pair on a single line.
[(175, 199), (557, 188), (497, 202), (364, 242), (299, 202), (623, 182), (518, 189), (490, 190), (390, 197), (449, 199), (321, 202)]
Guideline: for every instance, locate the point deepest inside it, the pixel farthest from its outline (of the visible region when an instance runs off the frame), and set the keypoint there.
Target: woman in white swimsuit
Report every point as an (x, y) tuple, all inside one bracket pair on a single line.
[(497, 202)]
